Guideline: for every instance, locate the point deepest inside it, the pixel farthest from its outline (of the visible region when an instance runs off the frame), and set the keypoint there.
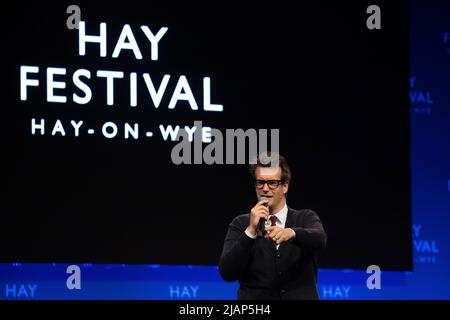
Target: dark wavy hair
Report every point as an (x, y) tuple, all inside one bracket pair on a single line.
[(265, 160)]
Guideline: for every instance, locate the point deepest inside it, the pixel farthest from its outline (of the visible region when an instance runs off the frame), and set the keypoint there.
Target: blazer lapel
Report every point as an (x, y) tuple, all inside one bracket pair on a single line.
[(289, 219), (289, 224)]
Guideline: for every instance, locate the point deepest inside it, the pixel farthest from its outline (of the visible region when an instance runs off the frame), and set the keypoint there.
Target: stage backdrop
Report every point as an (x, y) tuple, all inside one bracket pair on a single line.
[(91, 115), (430, 172)]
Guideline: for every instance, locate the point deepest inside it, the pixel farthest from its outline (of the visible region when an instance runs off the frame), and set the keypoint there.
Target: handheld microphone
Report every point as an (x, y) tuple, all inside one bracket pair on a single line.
[(261, 231)]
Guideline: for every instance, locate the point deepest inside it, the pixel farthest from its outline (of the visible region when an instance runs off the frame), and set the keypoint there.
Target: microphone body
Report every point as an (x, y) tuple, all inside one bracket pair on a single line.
[(261, 230)]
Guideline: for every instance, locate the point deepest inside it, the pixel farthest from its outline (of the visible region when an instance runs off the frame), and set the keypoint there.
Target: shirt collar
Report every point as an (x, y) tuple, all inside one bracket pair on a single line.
[(282, 214)]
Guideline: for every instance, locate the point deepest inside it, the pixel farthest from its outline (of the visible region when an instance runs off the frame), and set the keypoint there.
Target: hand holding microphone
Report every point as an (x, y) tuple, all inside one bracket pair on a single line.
[(258, 215)]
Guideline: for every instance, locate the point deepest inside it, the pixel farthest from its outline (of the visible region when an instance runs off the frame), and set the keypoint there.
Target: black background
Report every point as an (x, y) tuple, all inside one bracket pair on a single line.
[(336, 90)]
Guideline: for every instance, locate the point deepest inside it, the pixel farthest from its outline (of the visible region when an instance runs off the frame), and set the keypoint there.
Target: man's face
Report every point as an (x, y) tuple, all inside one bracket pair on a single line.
[(275, 195)]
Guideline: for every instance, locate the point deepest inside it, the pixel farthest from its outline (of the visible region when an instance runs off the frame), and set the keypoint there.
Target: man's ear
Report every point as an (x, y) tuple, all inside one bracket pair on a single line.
[(285, 188)]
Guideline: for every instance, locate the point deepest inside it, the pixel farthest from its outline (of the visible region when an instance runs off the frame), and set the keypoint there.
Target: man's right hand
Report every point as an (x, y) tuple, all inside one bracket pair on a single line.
[(258, 211)]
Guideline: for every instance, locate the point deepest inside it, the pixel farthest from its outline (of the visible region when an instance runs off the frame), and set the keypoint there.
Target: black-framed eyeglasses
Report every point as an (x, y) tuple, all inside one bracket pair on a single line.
[(272, 184)]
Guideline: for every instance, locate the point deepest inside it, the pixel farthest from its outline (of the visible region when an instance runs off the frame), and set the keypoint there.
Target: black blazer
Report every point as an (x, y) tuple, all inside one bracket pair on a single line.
[(267, 273)]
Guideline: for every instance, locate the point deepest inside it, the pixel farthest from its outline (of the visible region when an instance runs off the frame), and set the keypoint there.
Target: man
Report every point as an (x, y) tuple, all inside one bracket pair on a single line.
[(282, 264)]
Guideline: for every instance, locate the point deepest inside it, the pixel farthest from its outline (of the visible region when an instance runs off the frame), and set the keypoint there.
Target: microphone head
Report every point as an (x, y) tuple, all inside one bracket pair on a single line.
[(263, 198)]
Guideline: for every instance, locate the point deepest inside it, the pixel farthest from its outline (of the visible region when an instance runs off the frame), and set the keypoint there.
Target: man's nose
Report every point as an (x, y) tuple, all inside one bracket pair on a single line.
[(266, 187)]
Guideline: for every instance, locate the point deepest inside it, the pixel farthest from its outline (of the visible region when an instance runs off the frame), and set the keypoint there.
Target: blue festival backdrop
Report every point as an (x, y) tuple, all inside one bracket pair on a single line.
[(429, 85)]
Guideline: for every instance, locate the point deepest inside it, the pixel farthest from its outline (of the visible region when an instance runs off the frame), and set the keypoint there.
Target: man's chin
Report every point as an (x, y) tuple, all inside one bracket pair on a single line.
[(272, 205)]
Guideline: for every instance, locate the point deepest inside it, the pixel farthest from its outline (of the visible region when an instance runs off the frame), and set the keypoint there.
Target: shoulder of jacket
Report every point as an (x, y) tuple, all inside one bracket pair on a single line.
[(302, 212), (241, 218)]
